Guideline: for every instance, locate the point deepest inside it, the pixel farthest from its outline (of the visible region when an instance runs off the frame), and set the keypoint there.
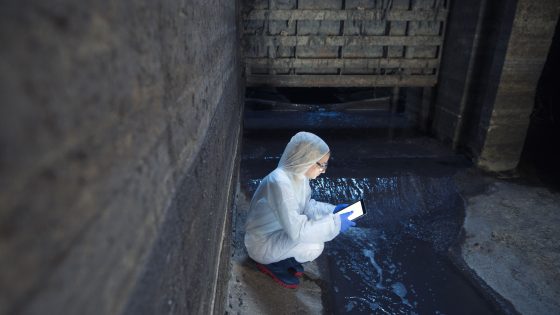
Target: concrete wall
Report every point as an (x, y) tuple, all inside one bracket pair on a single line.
[(532, 31), (457, 64), (119, 130), (493, 55)]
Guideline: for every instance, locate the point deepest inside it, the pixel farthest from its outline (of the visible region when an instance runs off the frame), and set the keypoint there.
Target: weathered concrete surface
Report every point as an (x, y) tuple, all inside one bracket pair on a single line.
[(119, 123), (512, 243)]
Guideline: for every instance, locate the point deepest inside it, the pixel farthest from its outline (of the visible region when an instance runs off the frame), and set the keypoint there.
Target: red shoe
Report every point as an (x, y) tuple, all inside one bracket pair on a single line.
[(297, 270), (279, 273)]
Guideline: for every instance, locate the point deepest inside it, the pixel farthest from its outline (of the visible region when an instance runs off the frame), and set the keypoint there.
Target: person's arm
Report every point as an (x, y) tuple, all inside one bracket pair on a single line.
[(316, 209), (298, 227)]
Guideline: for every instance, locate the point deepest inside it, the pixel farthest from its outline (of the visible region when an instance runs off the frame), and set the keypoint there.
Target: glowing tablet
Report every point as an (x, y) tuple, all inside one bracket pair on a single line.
[(358, 209)]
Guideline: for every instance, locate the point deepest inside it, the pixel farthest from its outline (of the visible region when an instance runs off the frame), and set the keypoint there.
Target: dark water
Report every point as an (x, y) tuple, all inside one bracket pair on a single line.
[(376, 273), (395, 261)]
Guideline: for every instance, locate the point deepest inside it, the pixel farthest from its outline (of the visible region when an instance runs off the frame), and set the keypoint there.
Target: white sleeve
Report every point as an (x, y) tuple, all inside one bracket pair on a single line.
[(298, 226), (316, 209)]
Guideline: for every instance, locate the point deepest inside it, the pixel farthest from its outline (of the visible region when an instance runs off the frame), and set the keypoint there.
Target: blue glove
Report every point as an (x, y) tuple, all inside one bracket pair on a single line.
[(340, 207), (345, 224)]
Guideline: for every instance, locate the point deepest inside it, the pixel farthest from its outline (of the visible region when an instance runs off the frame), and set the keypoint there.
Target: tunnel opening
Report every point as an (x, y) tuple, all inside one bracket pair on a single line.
[(324, 99), (318, 95)]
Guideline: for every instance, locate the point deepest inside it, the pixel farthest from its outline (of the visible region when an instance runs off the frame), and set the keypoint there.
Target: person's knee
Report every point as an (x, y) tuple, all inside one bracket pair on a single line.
[(311, 252)]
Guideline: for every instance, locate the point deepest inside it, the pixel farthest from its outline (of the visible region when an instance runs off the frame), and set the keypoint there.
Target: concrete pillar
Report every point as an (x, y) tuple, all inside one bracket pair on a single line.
[(531, 35), (493, 55)]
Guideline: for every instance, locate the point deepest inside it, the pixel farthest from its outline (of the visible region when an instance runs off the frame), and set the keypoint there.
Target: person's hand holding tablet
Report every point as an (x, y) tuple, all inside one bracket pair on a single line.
[(357, 209), (345, 224)]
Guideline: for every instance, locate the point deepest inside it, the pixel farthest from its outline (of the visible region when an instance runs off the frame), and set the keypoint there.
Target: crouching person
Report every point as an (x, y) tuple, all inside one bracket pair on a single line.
[(285, 227)]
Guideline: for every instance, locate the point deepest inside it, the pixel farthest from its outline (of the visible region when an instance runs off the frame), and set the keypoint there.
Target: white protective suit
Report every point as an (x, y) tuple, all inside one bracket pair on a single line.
[(283, 220)]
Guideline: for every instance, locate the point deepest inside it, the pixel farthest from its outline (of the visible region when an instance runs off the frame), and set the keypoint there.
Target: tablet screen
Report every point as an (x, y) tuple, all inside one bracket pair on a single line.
[(357, 208)]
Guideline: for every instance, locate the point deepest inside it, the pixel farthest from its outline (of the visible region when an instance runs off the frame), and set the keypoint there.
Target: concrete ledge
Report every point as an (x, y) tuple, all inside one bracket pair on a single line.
[(511, 234)]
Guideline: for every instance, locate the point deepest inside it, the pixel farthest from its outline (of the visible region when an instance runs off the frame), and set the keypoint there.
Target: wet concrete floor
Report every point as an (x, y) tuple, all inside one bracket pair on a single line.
[(396, 261)]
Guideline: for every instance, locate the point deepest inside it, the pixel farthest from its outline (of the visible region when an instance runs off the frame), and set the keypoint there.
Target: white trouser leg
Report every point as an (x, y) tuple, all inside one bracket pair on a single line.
[(306, 252)]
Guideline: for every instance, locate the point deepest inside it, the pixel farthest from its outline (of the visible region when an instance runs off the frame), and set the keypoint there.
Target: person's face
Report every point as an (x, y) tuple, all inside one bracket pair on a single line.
[(318, 168)]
